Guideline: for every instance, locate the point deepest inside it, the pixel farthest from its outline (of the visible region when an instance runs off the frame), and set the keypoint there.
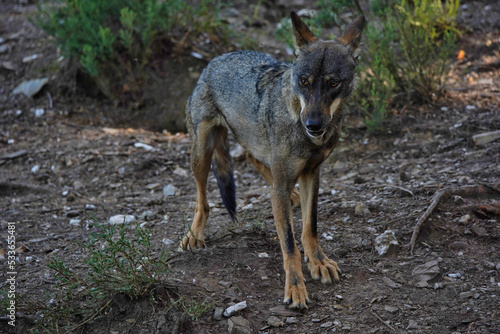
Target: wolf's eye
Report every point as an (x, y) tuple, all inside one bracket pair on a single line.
[(334, 83), (304, 81)]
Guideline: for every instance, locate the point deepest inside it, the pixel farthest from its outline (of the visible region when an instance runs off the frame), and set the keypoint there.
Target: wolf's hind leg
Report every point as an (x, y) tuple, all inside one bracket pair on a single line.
[(205, 138)]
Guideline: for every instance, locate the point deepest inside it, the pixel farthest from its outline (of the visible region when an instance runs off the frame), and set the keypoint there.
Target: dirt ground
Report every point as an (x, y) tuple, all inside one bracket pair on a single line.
[(73, 159)]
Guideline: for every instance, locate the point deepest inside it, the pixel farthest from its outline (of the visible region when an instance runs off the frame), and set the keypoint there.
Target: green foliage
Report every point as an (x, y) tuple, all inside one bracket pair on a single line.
[(117, 262), (114, 40)]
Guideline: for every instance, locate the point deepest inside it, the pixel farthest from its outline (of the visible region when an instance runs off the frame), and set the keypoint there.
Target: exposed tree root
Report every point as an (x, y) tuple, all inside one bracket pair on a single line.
[(465, 191)]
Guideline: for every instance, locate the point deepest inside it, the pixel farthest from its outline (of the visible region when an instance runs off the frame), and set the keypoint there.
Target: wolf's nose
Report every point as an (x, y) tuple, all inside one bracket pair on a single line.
[(313, 124)]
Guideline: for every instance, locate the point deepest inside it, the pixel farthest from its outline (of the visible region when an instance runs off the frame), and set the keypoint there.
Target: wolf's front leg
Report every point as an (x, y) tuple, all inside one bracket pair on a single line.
[(320, 266), (295, 288)]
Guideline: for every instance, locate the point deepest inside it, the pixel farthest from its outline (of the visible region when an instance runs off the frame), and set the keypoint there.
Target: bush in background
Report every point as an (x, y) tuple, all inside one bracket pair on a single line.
[(114, 40)]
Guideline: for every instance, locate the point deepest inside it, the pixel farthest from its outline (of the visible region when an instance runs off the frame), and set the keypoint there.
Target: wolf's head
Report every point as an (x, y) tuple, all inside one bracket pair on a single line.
[(323, 74)]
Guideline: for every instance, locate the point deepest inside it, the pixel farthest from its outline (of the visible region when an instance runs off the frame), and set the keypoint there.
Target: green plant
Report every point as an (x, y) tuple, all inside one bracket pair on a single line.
[(192, 307), (117, 262), (113, 41)]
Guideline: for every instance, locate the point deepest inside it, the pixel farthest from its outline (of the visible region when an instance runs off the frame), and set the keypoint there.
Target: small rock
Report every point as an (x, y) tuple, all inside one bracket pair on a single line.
[(218, 313), (422, 284), (386, 243), (30, 87), (238, 325), (391, 309), (225, 284), (167, 242), (39, 112), (497, 267), (231, 310), (75, 222), (88, 207), (263, 255), (291, 320), (181, 172), (29, 59), (464, 219), (169, 190), (148, 215), (283, 311), (35, 169), (479, 231), (412, 324), (427, 271), (144, 146), (121, 219), (238, 153), (466, 294), (327, 324), (274, 321), (390, 283), (459, 245), (4, 48), (361, 210)]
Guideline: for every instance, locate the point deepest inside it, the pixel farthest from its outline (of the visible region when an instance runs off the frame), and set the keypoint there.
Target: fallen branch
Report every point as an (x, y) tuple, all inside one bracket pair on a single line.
[(465, 191), (383, 321)]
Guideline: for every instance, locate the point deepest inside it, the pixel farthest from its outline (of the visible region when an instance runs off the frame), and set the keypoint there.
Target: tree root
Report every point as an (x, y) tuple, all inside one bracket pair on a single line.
[(465, 191)]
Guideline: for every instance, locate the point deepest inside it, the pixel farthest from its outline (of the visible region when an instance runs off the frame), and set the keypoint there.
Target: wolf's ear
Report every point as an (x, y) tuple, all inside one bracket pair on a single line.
[(302, 35), (352, 34)]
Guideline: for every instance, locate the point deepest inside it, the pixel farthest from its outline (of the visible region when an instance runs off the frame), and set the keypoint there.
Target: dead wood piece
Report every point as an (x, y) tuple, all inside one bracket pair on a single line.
[(485, 138), (465, 191)]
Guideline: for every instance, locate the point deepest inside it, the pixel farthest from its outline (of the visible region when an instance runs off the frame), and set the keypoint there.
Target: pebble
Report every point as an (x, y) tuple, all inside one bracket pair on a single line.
[(361, 210), (169, 190), (390, 283), (88, 207), (386, 243), (144, 146), (427, 271), (39, 112), (391, 309), (218, 313), (231, 310), (327, 324), (167, 242), (30, 87), (181, 172), (121, 219), (75, 222), (412, 324), (35, 169), (263, 255), (291, 320), (238, 325), (29, 58), (274, 321), (459, 245), (466, 294)]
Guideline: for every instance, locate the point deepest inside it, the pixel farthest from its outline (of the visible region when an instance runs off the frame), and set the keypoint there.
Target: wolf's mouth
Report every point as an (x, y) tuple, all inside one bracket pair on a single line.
[(315, 134)]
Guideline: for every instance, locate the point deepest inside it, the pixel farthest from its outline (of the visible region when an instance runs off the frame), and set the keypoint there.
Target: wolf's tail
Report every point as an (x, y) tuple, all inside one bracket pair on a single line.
[(222, 166)]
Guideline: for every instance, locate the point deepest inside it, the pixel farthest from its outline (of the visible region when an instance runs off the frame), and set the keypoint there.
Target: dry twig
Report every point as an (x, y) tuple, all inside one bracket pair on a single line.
[(465, 191)]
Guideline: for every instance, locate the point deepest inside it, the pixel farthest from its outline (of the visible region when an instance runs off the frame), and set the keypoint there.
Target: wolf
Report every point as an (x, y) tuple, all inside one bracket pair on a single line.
[(288, 117)]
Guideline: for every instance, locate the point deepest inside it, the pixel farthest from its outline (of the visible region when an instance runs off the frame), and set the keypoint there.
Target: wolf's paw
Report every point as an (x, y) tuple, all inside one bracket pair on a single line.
[(190, 242), (321, 267), (295, 197), (295, 292)]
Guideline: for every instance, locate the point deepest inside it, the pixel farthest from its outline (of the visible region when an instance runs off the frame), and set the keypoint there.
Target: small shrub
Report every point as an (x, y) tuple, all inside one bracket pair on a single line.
[(117, 263)]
